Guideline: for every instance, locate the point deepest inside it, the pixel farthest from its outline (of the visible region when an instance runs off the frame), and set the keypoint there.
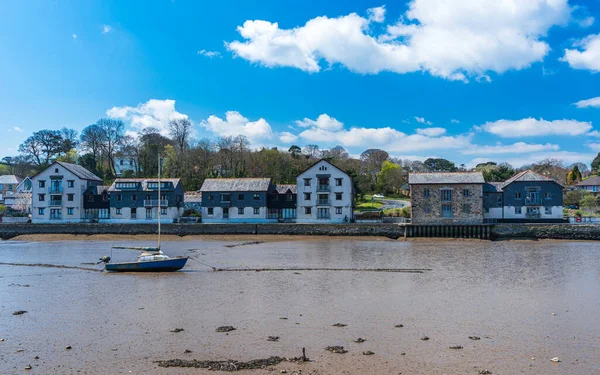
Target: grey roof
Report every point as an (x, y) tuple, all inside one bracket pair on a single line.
[(236, 184), (283, 189), (9, 179), (79, 171), (591, 181), (528, 176), (192, 196), (493, 187), (143, 182), (446, 178)]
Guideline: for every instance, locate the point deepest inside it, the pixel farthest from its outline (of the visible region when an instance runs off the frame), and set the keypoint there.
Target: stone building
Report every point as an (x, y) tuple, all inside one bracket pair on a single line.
[(446, 197)]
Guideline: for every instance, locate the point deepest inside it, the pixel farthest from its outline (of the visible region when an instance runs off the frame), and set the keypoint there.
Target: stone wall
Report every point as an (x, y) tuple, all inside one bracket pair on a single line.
[(428, 210), (546, 231)]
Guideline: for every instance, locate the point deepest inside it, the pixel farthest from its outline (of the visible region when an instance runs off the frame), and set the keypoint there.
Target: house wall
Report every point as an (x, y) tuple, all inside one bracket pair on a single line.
[(428, 210), (234, 217), (554, 202), (141, 216), (324, 169), (248, 203), (174, 197), (77, 190), (492, 206)]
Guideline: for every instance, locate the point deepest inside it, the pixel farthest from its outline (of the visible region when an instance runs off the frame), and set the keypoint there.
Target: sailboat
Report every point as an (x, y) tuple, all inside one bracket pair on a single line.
[(152, 259)]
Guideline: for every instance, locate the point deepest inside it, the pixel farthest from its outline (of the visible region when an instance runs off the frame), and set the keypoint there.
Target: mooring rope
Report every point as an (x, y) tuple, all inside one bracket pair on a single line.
[(404, 270), (50, 266)]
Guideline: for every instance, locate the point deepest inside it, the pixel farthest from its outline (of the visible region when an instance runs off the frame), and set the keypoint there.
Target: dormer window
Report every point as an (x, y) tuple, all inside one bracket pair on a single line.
[(55, 170)]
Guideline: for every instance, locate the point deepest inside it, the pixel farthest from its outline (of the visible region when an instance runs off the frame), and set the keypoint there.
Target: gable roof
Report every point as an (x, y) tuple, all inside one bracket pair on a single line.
[(591, 181), (77, 170), (235, 184), (493, 187), (283, 189), (97, 189), (9, 179), (326, 161), (528, 176), (143, 182), (446, 178), (192, 197)]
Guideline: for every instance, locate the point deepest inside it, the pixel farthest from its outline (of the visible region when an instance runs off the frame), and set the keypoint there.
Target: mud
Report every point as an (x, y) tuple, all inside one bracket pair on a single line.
[(229, 365)]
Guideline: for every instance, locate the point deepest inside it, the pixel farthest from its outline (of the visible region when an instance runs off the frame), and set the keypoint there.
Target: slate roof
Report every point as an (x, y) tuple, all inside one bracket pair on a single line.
[(493, 187), (79, 171), (144, 183), (235, 184), (9, 179), (591, 181), (192, 197), (97, 190), (283, 189), (446, 178), (528, 176)]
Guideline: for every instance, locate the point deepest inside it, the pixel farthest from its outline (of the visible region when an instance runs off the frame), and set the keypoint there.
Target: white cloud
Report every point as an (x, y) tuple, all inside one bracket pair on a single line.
[(376, 14), (323, 122), (422, 120), (594, 147), (593, 102), (454, 121), (235, 124), (74, 36), (209, 54), (449, 39), (568, 157), (154, 113), (431, 132), (287, 137), (594, 133), (586, 56), (586, 22), (18, 129), (515, 148), (533, 127), (106, 29)]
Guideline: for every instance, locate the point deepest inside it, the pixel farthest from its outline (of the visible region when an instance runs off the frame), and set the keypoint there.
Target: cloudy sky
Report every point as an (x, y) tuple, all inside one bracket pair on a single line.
[(468, 80)]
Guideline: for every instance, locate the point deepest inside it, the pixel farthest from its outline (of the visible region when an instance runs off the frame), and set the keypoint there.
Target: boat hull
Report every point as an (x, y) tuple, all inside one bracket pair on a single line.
[(168, 265)]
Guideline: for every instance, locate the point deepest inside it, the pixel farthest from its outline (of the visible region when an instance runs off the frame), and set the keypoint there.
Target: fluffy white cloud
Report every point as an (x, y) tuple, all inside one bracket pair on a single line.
[(235, 124), (431, 132), (454, 121), (287, 137), (322, 122), (515, 148), (106, 29), (450, 39), (154, 113), (209, 54), (587, 22), (376, 14), (594, 147), (18, 129), (593, 102), (586, 56), (533, 127), (422, 120)]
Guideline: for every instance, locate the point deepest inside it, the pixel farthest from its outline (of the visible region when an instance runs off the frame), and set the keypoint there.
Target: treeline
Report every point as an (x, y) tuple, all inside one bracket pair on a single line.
[(98, 145)]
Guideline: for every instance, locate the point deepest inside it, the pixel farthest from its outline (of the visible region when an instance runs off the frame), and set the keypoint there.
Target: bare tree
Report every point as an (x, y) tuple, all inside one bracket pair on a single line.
[(113, 132), (312, 151), (180, 130)]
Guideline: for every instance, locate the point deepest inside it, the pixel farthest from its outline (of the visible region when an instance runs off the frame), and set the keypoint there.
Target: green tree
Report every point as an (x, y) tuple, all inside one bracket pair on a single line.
[(574, 175), (575, 197), (390, 178), (589, 202), (440, 165), (493, 172), (295, 151), (596, 164)]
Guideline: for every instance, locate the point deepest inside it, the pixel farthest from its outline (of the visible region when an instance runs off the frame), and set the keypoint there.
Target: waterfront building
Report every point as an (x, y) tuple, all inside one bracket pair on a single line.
[(591, 184), (446, 197), (526, 197), (235, 200), (96, 203), (281, 203), (8, 185), (136, 200), (125, 163), (57, 193), (325, 194), (19, 199)]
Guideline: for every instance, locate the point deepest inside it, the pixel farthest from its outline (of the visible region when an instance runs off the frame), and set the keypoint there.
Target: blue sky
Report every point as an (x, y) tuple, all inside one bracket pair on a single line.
[(483, 80)]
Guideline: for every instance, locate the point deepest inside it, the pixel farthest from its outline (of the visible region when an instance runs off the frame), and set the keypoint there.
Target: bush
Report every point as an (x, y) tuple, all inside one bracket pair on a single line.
[(190, 212)]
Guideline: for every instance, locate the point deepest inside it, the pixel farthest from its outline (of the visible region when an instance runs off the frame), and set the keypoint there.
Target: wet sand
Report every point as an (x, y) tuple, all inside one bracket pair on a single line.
[(503, 292)]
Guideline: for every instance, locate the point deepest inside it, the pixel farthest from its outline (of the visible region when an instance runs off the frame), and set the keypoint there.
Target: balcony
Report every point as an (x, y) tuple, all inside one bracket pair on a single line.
[(55, 203), (154, 202), (535, 201), (55, 189), (323, 187), (323, 202)]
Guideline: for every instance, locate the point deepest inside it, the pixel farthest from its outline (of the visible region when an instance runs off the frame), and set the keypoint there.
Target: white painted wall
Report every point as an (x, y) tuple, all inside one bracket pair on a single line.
[(125, 216), (324, 168), (234, 217), (556, 213), (493, 213)]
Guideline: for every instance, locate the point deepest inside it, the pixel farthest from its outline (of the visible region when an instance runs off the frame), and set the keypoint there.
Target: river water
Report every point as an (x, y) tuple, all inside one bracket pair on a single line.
[(528, 301)]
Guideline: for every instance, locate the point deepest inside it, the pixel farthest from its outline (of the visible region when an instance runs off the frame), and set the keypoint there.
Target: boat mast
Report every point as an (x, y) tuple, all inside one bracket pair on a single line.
[(159, 202)]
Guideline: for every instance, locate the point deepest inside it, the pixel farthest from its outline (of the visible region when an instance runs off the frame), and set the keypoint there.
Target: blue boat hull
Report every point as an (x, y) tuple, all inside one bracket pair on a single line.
[(168, 265)]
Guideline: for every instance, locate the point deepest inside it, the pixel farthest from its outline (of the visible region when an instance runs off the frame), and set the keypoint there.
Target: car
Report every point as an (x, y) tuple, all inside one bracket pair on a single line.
[(378, 196)]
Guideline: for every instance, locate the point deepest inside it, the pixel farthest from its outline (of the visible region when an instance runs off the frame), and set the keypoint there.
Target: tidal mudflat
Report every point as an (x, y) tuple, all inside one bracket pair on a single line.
[(504, 307)]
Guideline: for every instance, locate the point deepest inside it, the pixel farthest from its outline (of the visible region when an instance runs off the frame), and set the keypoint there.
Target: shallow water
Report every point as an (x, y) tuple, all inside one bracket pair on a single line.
[(504, 292)]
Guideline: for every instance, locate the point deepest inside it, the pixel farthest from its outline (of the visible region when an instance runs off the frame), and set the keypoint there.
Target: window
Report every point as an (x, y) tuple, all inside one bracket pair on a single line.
[(486, 210), (70, 183), (446, 195), (289, 197), (548, 210), (240, 197), (133, 197), (499, 200), (126, 185), (466, 208), (40, 211), (118, 211), (446, 210), (517, 195), (338, 196), (104, 197), (225, 197), (55, 170), (163, 211), (119, 197), (211, 197), (466, 192), (42, 183), (240, 210), (147, 197), (121, 162), (547, 195), (41, 197), (256, 197), (338, 210), (533, 211), (256, 210), (338, 182), (70, 197), (306, 196), (211, 211), (133, 214), (148, 213), (518, 210), (307, 210), (307, 182), (323, 213), (426, 193), (69, 210), (322, 168), (91, 198)]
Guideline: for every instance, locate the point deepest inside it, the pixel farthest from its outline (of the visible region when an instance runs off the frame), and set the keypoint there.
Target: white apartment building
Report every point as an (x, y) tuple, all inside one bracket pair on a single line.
[(325, 195), (57, 193)]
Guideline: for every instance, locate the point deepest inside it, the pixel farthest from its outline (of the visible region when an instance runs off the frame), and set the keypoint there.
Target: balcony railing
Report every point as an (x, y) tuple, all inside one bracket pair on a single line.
[(55, 189), (154, 202), (533, 201), (323, 187), (323, 202), (55, 203)]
